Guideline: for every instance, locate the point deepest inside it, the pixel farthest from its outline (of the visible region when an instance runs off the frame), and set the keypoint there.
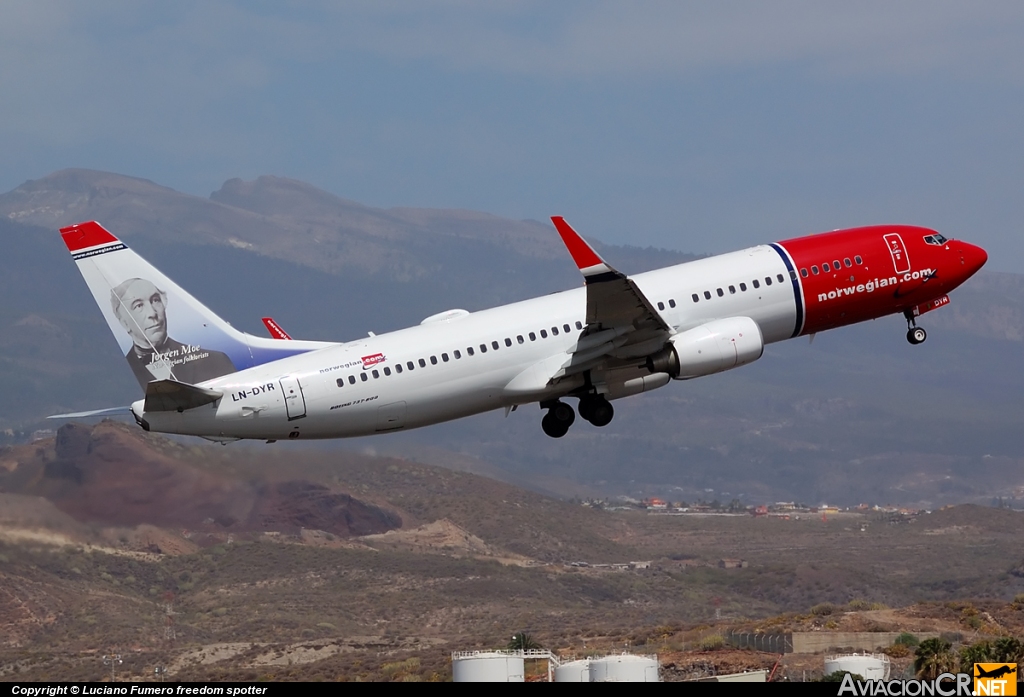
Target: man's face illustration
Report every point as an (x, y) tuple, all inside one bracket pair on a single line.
[(143, 314)]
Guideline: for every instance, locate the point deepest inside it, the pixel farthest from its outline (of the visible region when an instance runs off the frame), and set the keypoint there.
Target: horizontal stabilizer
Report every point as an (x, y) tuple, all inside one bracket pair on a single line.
[(171, 395), (112, 411)]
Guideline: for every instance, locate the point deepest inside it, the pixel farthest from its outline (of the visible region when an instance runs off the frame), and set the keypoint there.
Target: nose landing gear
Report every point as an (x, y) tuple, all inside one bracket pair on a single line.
[(915, 334)]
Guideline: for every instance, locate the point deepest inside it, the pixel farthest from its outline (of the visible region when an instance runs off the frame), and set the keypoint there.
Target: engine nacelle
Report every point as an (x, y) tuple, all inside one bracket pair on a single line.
[(710, 348)]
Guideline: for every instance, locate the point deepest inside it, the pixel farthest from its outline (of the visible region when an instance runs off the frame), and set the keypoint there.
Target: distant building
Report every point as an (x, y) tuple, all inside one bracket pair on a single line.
[(732, 563)]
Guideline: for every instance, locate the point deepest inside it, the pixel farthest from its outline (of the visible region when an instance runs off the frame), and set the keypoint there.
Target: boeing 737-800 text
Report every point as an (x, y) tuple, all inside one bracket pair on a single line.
[(615, 337)]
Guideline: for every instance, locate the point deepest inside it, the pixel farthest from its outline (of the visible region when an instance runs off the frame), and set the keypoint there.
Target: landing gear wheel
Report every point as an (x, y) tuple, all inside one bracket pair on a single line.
[(557, 421), (596, 410), (586, 408), (916, 335), (603, 413)]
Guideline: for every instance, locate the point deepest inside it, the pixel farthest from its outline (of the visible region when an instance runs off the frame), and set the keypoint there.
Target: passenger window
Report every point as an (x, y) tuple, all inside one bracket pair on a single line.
[(362, 376), (533, 337), (743, 287), (847, 263), (543, 333), (825, 267), (341, 382), (707, 295), (483, 348), (554, 331), (387, 371), (835, 265), (858, 260), (520, 339), (433, 360), (671, 302), (398, 367), (566, 328), (767, 280), (757, 284), (803, 272), (732, 290), (457, 353), (376, 374), (444, 357), (780, 278), (579, 325), (351, 379), (661, 306), (469, 350), (508, 342), (720, 292), (409, 365), (814, 269), (696, 298), (494, 345), (423, 363)]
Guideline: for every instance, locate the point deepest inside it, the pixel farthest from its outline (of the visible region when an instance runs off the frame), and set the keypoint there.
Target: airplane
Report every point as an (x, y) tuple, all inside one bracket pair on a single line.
[(614, 337)]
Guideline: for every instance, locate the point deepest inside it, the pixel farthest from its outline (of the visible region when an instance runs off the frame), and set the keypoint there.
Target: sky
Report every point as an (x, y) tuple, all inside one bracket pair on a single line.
[(702, 127)]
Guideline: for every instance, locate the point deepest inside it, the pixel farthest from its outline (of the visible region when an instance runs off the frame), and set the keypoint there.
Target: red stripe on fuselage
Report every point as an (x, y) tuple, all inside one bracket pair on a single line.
[(898, 270), (85, 235)]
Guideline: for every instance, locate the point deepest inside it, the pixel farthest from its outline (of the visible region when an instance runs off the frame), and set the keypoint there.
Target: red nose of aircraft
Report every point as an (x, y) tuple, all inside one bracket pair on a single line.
[(972, 257)]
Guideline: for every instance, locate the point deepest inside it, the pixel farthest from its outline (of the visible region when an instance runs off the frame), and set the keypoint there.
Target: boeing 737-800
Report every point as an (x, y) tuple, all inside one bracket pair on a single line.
[(617, 336)]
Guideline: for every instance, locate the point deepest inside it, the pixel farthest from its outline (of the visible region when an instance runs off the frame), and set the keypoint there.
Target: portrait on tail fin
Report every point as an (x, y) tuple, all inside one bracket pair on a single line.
[(141, 308)]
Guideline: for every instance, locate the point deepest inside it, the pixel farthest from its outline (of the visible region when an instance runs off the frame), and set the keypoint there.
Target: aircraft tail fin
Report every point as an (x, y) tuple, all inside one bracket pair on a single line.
[(163, 332)]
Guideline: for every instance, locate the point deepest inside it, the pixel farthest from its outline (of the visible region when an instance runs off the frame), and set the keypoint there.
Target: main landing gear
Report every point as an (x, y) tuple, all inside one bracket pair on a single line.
[(915, 334), (593, 408)]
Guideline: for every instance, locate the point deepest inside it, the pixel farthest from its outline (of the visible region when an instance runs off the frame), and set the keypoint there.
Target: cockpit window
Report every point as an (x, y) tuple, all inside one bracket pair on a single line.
[(936, 239)]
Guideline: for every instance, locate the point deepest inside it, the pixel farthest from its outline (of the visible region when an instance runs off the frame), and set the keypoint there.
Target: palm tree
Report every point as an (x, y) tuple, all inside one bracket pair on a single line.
[(523, 642), (978, 652), (934, 657), (1008, 650)]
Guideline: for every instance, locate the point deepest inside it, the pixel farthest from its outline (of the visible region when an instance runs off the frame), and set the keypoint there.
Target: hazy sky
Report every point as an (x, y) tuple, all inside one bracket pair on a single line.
[(695, 126)]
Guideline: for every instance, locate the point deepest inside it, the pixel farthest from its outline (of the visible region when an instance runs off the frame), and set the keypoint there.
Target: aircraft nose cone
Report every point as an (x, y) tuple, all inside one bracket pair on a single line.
[(973, 257)]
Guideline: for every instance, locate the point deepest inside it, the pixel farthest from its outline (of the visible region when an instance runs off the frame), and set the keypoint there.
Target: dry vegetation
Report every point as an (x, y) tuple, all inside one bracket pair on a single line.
[(474, 561)]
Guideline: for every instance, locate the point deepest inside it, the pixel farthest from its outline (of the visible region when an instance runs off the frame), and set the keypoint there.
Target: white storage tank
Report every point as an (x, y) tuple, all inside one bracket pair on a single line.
[(624, 668), (487, 666), (573, 671), (870, 666)]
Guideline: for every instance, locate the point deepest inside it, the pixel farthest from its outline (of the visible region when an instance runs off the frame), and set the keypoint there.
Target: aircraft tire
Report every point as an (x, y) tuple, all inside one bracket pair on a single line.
[(586, 408), (916, 335), (552, 426), (564, 414), (602, 413)]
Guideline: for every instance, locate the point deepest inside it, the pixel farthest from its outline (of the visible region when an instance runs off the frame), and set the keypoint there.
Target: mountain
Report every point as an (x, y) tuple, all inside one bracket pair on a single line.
[(857, 415), (289, 220), (112, 474)]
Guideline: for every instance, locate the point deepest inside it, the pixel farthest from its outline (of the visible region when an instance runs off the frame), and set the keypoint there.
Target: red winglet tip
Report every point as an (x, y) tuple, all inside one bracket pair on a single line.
[(275, 329), (82, 235), (580, 251)]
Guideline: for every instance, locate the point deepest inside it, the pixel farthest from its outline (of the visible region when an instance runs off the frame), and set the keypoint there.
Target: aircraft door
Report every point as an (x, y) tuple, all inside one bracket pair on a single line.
[(391, 417), (294, 402)]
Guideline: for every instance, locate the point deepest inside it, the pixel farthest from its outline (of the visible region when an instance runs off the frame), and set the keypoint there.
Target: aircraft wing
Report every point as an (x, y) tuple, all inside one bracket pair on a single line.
[(622, 324), (613, 300)]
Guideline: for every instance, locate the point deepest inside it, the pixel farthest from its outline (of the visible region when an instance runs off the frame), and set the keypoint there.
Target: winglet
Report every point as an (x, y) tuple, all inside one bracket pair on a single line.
[(275, 329), (589, 262)]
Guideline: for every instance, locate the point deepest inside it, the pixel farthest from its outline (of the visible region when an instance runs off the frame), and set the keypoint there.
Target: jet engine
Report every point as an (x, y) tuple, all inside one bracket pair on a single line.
[(710, 348)]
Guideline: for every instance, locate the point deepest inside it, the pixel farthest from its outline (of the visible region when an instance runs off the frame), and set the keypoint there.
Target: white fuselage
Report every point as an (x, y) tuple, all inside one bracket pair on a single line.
[(367, 386)]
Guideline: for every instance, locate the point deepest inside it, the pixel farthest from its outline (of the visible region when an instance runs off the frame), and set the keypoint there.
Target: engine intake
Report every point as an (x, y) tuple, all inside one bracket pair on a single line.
[(719, 345)]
